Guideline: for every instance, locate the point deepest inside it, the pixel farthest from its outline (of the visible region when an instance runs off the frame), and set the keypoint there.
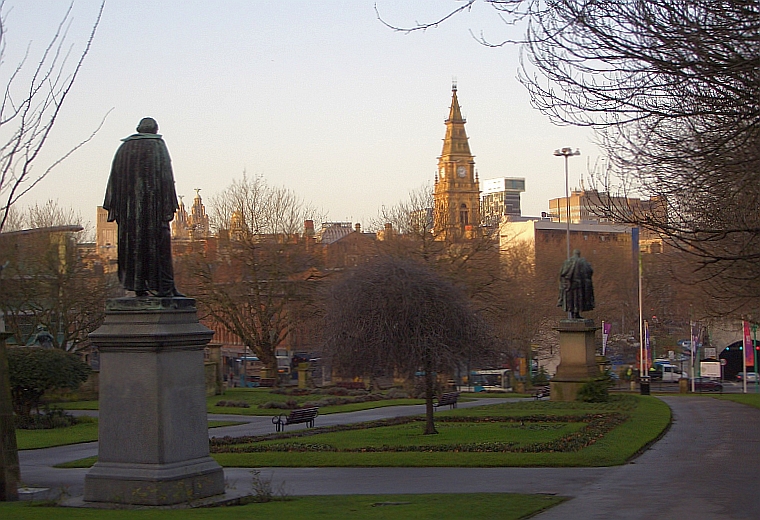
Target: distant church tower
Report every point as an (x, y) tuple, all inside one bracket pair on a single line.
[(457, 190)]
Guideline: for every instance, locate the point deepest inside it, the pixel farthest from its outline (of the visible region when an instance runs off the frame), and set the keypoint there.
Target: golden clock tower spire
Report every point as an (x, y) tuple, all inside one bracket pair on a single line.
[(457, 190)]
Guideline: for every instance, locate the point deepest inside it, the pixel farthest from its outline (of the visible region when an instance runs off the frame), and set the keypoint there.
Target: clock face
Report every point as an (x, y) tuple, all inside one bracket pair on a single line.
[(461, 171)]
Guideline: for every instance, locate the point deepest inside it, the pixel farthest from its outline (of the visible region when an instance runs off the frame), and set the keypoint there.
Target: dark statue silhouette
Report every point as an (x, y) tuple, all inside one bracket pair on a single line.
[(141, 198), (576, 290)]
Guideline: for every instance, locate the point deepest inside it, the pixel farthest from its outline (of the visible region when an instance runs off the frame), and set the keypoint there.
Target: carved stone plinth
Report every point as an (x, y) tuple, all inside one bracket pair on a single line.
[(577, 352), (153, 430)]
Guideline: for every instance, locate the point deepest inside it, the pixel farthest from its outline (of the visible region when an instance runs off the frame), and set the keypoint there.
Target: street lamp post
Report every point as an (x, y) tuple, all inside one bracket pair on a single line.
[(567, 153)]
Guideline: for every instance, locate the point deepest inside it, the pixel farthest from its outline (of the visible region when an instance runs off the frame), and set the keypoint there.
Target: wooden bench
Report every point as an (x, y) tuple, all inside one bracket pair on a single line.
[(542, 391), (351, 385), (303, 415), (266, 382), (382, 383), (447, 399)]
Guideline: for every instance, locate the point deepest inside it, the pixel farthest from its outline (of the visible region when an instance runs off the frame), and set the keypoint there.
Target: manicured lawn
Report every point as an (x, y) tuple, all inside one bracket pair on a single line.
[(748, 399), (76, 405), (501, 435), (448, 433), (85, 431), (257, 396), (503, 506), (648, 418)]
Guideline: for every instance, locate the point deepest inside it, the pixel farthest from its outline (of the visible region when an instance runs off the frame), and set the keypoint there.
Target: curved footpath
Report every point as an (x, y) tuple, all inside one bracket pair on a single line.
[(706, 467)]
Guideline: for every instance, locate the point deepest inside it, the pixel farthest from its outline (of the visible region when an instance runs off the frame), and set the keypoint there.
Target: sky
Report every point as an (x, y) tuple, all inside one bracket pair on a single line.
[(315, 96)]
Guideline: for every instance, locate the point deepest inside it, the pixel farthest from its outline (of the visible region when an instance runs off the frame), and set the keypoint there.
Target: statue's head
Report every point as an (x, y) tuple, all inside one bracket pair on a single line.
[(147, 125), (576, 252)]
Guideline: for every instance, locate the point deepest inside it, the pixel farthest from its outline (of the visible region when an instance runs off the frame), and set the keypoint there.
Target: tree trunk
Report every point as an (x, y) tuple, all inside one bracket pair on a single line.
[(9, 466), (429, 394)]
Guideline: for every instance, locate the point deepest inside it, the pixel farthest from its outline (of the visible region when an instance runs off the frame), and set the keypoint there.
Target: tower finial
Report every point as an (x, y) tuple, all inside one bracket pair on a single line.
[(453, 83)]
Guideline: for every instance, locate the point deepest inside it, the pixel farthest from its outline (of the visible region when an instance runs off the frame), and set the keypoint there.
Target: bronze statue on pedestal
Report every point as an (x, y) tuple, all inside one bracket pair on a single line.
[(141, 198), (576, 290)]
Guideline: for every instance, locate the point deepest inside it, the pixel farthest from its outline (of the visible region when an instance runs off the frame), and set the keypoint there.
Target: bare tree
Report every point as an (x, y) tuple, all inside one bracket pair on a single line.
[(258, 279), (398, 315), (32, 100), (29, 109), (46, 281), (499, 284)]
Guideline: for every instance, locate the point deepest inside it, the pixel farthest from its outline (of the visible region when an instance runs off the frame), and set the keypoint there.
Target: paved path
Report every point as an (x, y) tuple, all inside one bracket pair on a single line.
[(706, 467)]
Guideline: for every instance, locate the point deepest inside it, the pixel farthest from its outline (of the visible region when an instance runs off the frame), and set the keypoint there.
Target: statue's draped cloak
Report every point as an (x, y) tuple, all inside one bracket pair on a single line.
[(141, 198), (576, 292)]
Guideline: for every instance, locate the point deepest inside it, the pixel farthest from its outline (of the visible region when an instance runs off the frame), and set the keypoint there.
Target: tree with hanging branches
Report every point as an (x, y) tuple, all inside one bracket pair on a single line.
[(395, 315)]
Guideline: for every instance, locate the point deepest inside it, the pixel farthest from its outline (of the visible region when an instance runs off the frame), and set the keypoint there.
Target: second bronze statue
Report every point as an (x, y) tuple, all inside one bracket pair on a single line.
[(576, 290)]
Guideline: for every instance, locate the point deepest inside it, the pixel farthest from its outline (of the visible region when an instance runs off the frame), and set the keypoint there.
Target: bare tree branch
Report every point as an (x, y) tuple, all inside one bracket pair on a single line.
[(26, 121)]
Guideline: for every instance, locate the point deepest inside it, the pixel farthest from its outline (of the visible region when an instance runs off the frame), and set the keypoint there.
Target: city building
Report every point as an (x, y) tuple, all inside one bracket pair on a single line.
[(590, 205), (547, 239), (501, 198), (106, 240), (193, 225), (457, 190)]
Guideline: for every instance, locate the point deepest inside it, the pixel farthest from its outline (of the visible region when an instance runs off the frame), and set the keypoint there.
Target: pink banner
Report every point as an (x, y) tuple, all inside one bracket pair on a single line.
[(749, 350), (647, 351)]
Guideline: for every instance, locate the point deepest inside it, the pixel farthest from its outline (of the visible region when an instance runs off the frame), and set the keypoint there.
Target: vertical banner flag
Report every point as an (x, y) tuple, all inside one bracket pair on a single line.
[(749, 350), (635, 244), (647, 352), (606, 328)]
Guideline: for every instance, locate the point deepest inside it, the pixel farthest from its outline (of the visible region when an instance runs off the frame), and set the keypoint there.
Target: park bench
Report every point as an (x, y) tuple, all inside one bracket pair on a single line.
[(383, 383), (302, 415), (542, 391), (447, 399), (266, 382), (351, 385)]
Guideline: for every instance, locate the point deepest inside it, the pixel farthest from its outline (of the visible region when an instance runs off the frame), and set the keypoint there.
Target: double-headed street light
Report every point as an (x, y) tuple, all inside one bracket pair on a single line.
[(567, 153)]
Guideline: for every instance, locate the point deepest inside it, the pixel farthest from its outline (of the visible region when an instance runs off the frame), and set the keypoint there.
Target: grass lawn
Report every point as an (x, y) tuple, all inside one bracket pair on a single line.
[(256, 396), (648, 418), (748, 399), (85, 431), (466, 443), (503, 506)]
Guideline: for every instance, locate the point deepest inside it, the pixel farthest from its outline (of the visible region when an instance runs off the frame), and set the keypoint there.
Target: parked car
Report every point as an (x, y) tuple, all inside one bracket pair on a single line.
[(751, 377), (705, 384)]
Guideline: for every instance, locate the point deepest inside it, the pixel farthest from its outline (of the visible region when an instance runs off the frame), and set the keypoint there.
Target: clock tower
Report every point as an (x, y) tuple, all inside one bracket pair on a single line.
[(457, 190)]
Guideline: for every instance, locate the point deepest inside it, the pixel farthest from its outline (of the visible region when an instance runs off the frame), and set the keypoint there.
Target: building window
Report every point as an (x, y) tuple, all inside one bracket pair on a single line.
[(464, 215)]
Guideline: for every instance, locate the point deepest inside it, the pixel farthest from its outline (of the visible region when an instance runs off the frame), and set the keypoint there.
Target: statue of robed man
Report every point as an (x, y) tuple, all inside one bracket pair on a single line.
[(576, 290), (141, 198)]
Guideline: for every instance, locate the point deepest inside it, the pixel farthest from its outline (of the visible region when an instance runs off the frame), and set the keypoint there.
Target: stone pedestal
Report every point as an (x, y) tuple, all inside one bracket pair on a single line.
[(303, 375), (9, 466), (153, 428), (577, 352)]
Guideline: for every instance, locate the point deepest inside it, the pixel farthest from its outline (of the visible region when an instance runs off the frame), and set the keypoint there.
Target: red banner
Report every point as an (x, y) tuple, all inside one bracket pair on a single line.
[(749, 349)]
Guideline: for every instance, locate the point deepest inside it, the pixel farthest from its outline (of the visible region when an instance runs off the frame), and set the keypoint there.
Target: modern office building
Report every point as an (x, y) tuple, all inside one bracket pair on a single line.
[(501, 198)]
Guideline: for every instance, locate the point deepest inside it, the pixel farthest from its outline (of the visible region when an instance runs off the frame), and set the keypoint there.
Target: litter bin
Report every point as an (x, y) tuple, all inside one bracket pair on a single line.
[(683, 385), (644, 384)]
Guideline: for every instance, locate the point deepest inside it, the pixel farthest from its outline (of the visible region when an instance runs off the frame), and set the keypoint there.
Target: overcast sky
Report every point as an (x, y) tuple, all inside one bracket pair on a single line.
[(316, 96)]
